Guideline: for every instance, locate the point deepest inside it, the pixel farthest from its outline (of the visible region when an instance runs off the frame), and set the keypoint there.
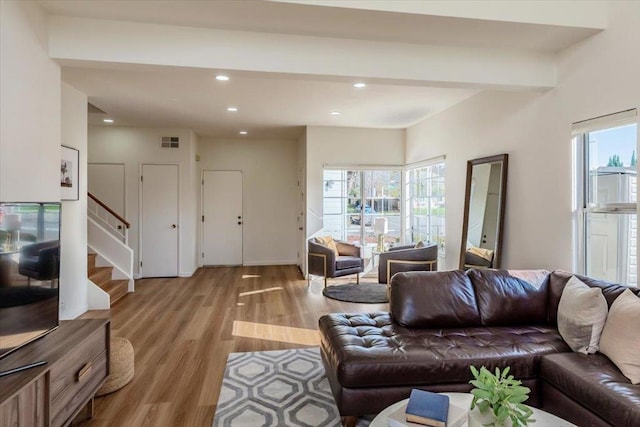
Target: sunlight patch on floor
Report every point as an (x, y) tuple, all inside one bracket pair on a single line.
[(261, 291), (286, 334), (251, 276)]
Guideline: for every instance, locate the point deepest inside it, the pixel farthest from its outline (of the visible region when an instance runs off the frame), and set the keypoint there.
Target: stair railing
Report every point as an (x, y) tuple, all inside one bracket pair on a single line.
[(108, 236), (108, 218)]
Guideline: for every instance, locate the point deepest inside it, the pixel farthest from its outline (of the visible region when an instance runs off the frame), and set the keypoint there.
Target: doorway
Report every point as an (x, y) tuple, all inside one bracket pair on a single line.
[(159, 220), (222, 217)]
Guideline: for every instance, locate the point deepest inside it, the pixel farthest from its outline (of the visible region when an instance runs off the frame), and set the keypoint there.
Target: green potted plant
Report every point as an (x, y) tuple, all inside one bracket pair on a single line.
[(499, 399)]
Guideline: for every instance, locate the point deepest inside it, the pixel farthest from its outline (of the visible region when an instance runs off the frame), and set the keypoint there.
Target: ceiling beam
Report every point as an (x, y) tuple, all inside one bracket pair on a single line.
[(568, 13), (83, 39)]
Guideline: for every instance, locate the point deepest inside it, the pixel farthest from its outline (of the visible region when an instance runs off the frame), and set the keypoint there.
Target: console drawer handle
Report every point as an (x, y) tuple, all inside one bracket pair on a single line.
[(86, 369)]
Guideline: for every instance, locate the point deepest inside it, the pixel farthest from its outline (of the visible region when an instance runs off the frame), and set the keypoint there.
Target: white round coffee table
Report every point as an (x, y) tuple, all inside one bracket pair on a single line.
[(463, 400)]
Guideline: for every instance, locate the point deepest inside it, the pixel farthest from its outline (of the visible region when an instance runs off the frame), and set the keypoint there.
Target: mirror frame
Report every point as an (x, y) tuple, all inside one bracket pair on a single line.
[(504, 158)]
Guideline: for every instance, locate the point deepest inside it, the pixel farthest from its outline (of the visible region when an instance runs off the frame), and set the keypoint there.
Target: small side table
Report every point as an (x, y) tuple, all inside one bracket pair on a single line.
[(463, 400)]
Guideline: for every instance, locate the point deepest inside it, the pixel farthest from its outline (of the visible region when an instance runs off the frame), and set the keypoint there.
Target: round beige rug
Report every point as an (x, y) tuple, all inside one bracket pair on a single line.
[(121, 366)]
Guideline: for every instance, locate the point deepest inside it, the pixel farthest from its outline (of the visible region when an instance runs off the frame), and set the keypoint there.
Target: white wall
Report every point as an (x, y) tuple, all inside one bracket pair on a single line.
[(345, 146), (270, 203), (73, 241), (29, 107), (596, 77), (38, 113), (196, 179), (135, 146), (302, 202)]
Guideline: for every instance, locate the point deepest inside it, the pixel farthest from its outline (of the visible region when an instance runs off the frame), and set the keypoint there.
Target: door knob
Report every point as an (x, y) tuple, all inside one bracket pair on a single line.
[(173, 226), (239, 222), (239, 217)]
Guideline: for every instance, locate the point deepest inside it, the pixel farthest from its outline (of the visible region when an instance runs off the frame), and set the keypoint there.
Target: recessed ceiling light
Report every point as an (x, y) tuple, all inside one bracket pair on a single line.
[(243, 132), (359, 85), (108, 120), (335, 113), (232, 109), (222, 77)]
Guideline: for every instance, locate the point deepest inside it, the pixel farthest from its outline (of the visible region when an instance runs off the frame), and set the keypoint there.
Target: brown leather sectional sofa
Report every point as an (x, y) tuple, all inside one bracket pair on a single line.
[(440, 323)]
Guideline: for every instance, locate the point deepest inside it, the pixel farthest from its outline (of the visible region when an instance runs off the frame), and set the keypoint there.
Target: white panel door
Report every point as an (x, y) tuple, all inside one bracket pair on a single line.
[(490, 222), (222, 218), (159, 228), (106, 182)]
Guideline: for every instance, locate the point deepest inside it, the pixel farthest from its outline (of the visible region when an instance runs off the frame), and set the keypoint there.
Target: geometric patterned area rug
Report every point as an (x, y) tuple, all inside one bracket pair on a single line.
[(283, 388)]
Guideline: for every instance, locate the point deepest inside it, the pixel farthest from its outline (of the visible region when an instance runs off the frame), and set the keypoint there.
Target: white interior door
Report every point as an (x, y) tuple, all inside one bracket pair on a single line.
[(490, 222), (222, 218), (159, 228), (106, 182)]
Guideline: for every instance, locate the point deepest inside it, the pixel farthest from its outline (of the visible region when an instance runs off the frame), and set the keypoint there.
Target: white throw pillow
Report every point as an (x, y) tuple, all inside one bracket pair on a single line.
[(582, 313), (620, 340)]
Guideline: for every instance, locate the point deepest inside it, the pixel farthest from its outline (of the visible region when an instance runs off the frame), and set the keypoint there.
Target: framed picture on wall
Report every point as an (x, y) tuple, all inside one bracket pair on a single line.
[(69, 162)]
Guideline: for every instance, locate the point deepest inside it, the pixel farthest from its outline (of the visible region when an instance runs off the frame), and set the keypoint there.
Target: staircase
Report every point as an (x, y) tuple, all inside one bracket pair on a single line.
[(101, 276), (110, 258)]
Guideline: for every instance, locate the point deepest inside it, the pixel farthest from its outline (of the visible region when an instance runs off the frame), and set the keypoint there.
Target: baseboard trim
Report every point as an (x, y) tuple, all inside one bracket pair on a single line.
[(187, 274), (265, 263)]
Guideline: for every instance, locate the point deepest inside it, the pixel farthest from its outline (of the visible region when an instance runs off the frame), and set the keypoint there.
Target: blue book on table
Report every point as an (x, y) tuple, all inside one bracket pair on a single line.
[(428, 408)]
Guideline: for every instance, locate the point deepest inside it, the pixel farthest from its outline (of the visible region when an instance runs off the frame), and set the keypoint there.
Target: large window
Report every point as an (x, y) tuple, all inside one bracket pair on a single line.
[(606, 150), (426, 203), (353, 199)]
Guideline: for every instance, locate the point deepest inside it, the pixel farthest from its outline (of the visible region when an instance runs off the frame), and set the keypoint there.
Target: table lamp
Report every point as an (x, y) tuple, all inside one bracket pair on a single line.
[(381, 227)]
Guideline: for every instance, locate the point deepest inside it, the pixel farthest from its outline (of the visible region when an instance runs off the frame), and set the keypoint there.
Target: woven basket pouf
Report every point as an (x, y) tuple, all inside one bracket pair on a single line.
[(120, 366)]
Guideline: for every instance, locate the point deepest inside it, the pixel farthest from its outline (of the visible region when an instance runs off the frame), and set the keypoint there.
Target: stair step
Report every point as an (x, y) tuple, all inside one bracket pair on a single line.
[(101, 275), (116, 289), (91, 263)]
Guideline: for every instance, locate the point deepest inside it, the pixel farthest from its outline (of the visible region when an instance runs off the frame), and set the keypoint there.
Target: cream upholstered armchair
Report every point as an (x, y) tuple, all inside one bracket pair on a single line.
[(329, 258), (407, 258)]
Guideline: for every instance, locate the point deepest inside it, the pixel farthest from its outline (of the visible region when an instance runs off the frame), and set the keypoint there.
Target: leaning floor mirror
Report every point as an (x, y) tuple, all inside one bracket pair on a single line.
[(484, 204)]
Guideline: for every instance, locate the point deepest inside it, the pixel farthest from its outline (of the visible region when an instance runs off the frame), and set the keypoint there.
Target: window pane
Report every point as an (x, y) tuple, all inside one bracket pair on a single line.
[(334, 203), (608, 184), (426, 204), (332, 206), (611, 247), (334, 226), (350, 216), (612, 165)]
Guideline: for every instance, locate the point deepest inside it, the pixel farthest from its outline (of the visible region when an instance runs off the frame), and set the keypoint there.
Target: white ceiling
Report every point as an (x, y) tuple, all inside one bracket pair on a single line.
[(278, 105), (270, 106)]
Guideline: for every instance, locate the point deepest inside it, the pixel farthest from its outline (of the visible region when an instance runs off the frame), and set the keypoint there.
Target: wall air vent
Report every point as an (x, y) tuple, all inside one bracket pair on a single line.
[(170, 142)]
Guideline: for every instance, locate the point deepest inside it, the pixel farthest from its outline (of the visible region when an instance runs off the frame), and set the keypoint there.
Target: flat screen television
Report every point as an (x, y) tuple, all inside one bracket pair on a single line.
[(29, 272)]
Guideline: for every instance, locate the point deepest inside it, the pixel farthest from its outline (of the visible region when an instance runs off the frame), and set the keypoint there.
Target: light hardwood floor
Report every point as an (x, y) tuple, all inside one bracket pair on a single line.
[(183, 329)]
